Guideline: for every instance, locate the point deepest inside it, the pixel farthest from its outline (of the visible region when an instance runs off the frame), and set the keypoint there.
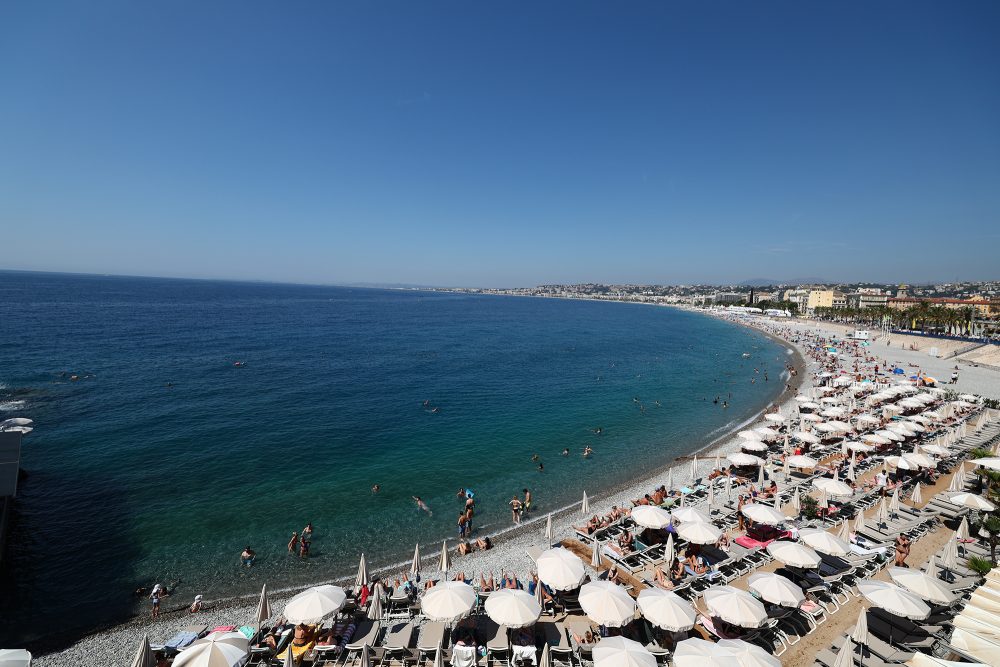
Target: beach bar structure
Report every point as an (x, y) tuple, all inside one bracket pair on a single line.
[(10, 462)]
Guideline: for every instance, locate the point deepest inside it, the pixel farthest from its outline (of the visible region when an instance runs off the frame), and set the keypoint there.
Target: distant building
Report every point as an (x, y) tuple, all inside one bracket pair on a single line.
[(819, 298), (797, 296), (867, 297), (764, 296), (728, 298), (982, 307), (839, 299)]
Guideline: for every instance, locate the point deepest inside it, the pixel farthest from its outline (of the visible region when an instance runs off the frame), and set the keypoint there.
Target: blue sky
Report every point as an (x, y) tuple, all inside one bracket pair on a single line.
[(456, 143)]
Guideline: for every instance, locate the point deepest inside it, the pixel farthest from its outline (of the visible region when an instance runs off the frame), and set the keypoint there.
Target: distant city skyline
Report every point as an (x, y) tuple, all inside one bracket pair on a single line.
[(445, 144)]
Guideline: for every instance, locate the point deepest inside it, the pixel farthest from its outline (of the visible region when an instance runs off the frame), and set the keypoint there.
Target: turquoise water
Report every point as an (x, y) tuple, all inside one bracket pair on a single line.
[(131, 481)]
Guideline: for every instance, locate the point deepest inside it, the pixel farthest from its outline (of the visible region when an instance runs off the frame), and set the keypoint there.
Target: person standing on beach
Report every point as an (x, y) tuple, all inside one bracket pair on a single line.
[(515, 509)]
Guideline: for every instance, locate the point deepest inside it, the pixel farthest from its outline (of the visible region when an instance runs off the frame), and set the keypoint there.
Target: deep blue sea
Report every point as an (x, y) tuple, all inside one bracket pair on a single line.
[(163, 459)]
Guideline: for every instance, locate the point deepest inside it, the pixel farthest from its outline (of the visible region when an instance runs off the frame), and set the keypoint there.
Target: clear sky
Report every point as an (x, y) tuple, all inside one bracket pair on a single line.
[(501, 143)]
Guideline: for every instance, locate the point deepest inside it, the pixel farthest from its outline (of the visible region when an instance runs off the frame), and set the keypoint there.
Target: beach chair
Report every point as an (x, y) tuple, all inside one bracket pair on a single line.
[(497, 645), (397, 644), (365, 636), (554, 634), (431, 637)]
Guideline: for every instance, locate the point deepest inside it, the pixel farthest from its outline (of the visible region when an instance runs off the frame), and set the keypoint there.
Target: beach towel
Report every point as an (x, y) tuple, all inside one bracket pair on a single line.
[(248, 631), (180, 640)]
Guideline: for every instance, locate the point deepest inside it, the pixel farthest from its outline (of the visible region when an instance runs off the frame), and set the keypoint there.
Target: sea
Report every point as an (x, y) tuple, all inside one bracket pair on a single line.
[(179, 421)]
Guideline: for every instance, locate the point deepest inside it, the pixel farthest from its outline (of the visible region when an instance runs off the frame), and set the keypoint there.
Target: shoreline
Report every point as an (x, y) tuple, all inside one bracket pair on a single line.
[(508, 554)]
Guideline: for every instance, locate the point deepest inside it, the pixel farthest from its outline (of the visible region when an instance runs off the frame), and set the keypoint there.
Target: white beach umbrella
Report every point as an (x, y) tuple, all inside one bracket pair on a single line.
[(513, 608), (670, 479), (595, 554), (711, 496), (694, 467), (690, 515), (937, 450), (697, 532), (415, 563), (375, 606), (894, 501), (696, 652), (890, 435), (668, 551), (143, 658), (775, 417), (882, 514), (794, 554), (362, 577), (826, 428), (875, 439), (963, 529), (560, 569), (860, 632), (753, 446), (776, 589), (760, 477), (666, 610), (851, 475), (894, 599), (958, 479), (548, 529), (845, 656), (313, 604), (859, 522), (744, 459), (219, 649), (803, 436), (796, 503), (749, 435), (607, 603), (859, 447), (865, 418), (444, 563), (448, 601), (735, 606), (650, 516), (991, 462), (921, 460), (263, 607), (825, 542), (622, 652), (811, 418), (922, 585), (833, 413), (802, 398), (968, 397), (972, 500), (833, 487), (915, 497), (764, 514), (950, 556), (585, 505), (801, 461), (766, 434), (545, 661)]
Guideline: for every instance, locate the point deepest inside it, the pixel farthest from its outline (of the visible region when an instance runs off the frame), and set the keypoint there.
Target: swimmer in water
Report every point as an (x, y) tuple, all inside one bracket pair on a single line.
[(427, 402), (565, 451), (587, 451), (421, 505), (598, 430), (376, 488), (535, 457), (541, 467), (725, 404), (436, 410), (657, 403)]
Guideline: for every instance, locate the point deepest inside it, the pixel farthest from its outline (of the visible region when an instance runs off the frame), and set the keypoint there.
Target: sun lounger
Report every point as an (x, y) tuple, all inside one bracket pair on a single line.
[(397, 642), (431, 637)]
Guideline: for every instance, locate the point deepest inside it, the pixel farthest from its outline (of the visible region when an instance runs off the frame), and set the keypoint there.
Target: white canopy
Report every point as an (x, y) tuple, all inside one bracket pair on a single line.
[(804, 436), (794, 554), (219, 649), (894, 599), (743, 459), (312, 605), (834, 487), (560, 569), (735, 606), (651, 516), (513, 608), (824, 542), (697, 532), (690, 515), (666, 609), (622, 652), (972, 500), (697, 652), (607, 603), (920, 584), (450, 601), (801, 461), (776, 589), (764, 514)]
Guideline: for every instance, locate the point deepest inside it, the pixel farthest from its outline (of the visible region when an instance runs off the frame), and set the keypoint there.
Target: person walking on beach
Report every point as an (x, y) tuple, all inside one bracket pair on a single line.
[(154, 597), (421, 505)]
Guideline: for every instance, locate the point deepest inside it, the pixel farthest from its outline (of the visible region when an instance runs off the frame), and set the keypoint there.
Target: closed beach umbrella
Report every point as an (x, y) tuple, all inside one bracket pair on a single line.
[(219, 649), (449, 601), (796, 503), (743, 459), (894, 599), (548, 528), (313, 604), (513, 608), (711, 496), (894, 501), (824, 542), (595, 554), (668, 551), (666, 610), (882, 515), (690, 515), (972, 500), (764, 514), (694, 467), (560, 569), (697, 532), (362, 577), (650, 516), (585, 505), (375, 606), (546, 659), (915, 497), (670, 479), (415, 564), (445, 562), (263, 607), (735, 606), (833, 487), (143, 658), (950, 556), (844, 532), (859, 522), (607, 603), (622, 652), (860, 632), (794, 554), (776, 589), (845, 656), (922, 585), (800, 461), (963, 529)]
